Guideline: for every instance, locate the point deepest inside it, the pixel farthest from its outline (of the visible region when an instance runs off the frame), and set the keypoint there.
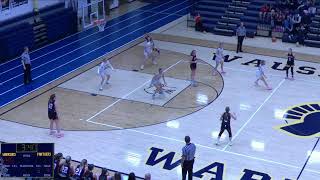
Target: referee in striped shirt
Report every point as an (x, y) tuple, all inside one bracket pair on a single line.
[(187, 159), (26, 63)]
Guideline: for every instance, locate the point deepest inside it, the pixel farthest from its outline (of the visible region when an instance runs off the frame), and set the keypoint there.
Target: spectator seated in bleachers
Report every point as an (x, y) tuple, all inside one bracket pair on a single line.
[(263, 14), (312, 10), (291, 17), (272, 18), (282, 4), (301, 34), (306, 18), (308, 5), (292, 4), (279, 17), (199, 25), (288, 25), (296, 19)]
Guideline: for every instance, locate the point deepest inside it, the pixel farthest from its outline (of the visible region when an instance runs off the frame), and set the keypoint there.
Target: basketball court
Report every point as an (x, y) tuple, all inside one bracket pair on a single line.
[(123, 128)]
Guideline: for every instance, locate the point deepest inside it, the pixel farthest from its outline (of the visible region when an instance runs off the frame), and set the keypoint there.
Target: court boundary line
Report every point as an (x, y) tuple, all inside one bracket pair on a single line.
[(205, 147), (252, 116), (150, 11), (80, 57), (157, 6), (91, 42), (126, 95), (306, 162)]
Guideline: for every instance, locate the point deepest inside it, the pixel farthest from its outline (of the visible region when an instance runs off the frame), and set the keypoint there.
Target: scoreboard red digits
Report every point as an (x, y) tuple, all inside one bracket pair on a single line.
[(27, 160)]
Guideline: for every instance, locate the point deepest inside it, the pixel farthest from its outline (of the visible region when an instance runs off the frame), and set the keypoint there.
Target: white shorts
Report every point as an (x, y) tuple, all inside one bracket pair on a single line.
[(105, 73), (147, 54), (219, 60), (258, 75)]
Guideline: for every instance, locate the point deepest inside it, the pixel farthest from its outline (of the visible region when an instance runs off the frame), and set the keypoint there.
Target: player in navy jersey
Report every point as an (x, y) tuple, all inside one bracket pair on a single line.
[(66, 170), (104, 174), (89, 175), (290, 64), (226, 125), (80, 170), (56, 163), (53, 116), (193, 66)]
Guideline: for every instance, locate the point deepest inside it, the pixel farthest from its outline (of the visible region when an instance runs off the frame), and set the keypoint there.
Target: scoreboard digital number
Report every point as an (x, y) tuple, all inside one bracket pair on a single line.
[(26, 160)]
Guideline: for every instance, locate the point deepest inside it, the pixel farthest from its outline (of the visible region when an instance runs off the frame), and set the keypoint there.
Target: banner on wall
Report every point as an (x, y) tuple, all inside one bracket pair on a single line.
[(8, 4)]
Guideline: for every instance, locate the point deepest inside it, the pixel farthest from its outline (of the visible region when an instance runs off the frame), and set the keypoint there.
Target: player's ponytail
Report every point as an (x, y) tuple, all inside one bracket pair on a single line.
[(259, 63), (52, 97)]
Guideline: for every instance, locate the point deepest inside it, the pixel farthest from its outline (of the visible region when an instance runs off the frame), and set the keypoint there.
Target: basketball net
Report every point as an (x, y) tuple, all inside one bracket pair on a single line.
[(100, 23)]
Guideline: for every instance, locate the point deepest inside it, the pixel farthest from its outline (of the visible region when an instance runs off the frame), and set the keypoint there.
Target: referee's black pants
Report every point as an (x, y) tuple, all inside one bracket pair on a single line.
[(187, 167), (27, 74), (239, 45)]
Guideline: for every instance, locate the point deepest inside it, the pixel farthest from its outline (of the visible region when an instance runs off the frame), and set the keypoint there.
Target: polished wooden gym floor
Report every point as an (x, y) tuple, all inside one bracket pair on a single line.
[(79, 100)]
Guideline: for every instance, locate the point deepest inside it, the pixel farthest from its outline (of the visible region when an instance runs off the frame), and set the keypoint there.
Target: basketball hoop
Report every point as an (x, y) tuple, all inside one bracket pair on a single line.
[(100, 23)]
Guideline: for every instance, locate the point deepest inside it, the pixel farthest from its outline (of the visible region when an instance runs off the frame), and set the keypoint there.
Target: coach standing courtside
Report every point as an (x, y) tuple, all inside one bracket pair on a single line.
[(187, 159), (26, 63), (241, 34)]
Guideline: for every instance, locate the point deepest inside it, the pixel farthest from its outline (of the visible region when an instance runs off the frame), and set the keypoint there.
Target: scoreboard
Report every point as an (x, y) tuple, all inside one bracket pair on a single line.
[(26, 160)]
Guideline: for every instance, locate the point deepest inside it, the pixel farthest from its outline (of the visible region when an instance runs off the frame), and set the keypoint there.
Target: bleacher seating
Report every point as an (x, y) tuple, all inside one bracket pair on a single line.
[(55, 22), (313, 36), (211, 11), (60, 24), (31, 14), (230, 20), (223, 17), (251, 15), (13, 39)]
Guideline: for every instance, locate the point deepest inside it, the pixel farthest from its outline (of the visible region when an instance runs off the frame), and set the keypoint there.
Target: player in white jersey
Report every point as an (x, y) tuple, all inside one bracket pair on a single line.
[(148, 52), (156, 82), (105, 69), (261, 75), (219, 58)]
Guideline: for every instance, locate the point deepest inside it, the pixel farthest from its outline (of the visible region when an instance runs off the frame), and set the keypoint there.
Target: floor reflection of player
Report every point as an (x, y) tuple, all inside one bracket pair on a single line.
[(156, 82)]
